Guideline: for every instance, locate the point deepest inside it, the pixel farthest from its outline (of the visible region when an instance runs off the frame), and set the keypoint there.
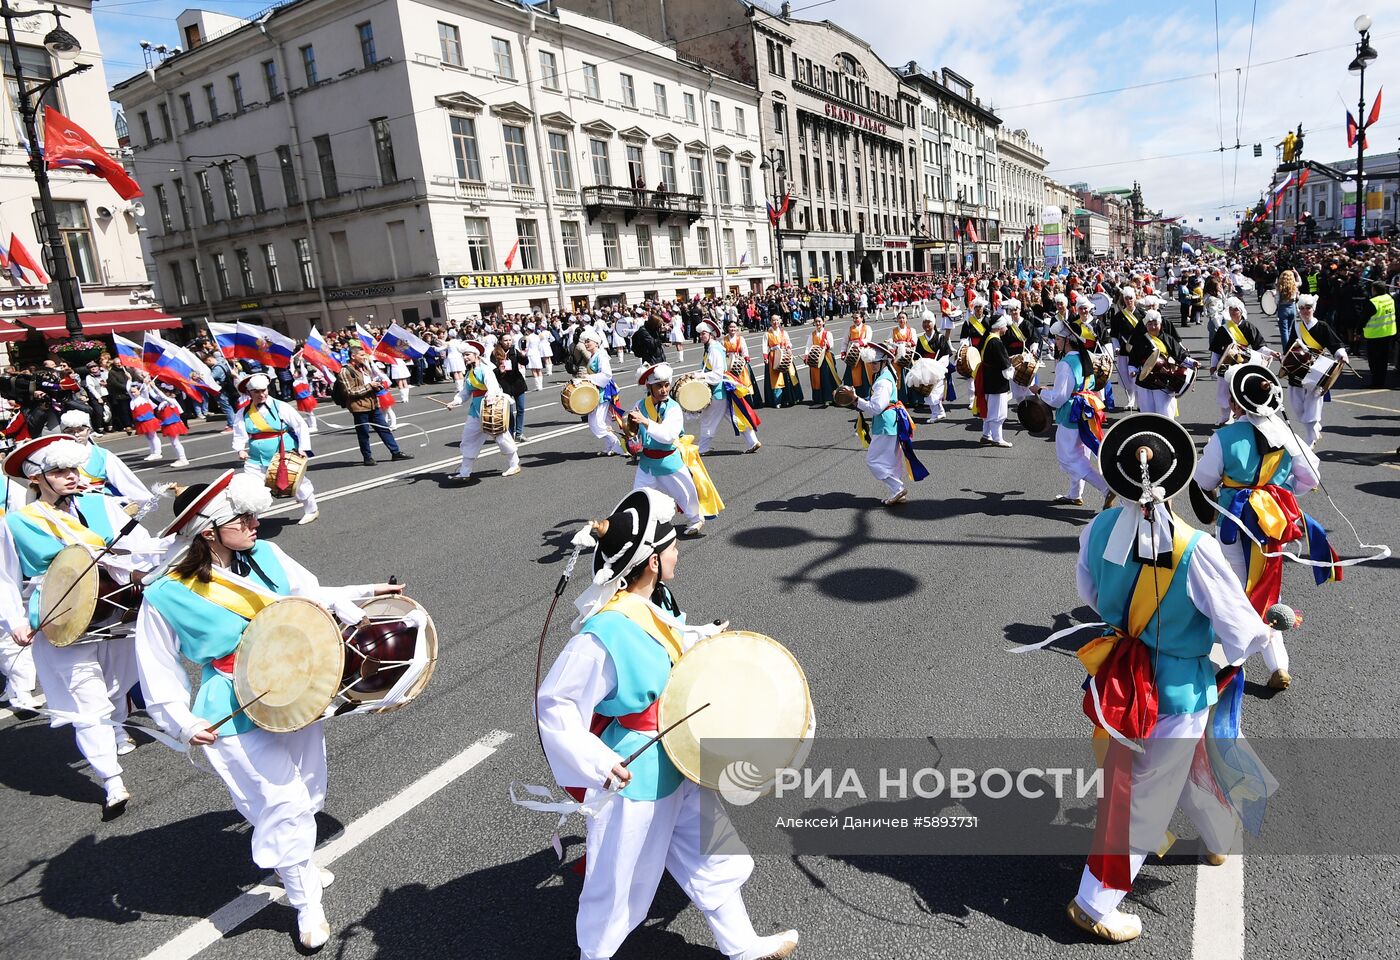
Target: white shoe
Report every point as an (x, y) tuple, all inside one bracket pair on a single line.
[(309, 518), (1116, 927), (26, 701), (313, 930), (1001, 443), (125, 745), (694, 528), (152, 458), (182, 462), (512, 471), (771, 948), (899, 497), (117, 798)]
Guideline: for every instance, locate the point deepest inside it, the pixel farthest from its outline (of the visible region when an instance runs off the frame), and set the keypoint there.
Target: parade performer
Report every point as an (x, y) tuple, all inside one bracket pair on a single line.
[(266, 426), (171, 419), (1123, 326), (304, 396), (1304, 398), (825, 379), (480, 385), (146, 399), (1259, 468), (729, 397), (860, 335), (1240, 332), (17, 662), (598, 370), (218, 576), (670, 461), (736, 352), (784, 388), (974, 332), (903, 337), (1150, 336), (1018, 342), (597, 705), (1167, 592), (885, 427), (933, 345), (86, 684), (1079, 413), (104, 471), (992, 385)]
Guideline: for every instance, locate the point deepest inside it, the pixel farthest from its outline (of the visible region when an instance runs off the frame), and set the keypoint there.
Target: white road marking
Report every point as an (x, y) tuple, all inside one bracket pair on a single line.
[(1218, 930), (236, 912)]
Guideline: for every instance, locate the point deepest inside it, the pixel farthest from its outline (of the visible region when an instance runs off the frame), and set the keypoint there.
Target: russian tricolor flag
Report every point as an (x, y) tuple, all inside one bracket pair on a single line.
[(264, 345), (317, 354), (128, 353), (401, 344), (179, 367), (226, 338), (366, 339)]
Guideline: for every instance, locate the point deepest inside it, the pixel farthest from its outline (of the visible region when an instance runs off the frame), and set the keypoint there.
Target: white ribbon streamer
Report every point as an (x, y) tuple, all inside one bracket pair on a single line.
[(589, 808)]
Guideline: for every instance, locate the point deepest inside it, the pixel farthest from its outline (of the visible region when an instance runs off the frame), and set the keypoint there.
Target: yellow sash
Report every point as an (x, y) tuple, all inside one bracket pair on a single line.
[(61, 526), (976, 326), (1236, 333), (475, 380), (234, 597), (1132, 320), (641, 613), (706, 492), (1309, 341), (1161, 347), (260, 423)]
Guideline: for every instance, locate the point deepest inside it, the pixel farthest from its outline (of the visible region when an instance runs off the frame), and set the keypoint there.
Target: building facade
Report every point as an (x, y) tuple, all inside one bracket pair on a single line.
[(1330, 203), (101, 232), (1022, 198), (1093, 239), (356, 160)]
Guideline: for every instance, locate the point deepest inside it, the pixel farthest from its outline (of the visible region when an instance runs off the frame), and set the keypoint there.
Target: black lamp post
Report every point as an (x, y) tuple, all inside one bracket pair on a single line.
[(773, 160), (64, 46), (1365, 53)]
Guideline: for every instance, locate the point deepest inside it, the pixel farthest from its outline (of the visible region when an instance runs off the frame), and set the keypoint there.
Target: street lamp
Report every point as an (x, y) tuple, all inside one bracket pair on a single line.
[(1365, 53), (65, 47), (773, 160)]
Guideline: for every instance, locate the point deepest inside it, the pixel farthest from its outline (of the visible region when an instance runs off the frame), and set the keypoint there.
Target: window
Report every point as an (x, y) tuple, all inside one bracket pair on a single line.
[(677, 246), (235, 209), (505, 63), (659, 92), (668, 171), (384, 150), (573, 244), (221, 276), (779, 119), (308, 64), (602, 166), (235, 85), (528, 233), (206, 195), (517, 157), (689, 99), (636, 171), (38, 67), (644, 258), (187, 105), (198, 279), (163, 204), (561, 162), (366, 34), (464, 148), (751, 238), (146, 131), (478, 244), (269, 255), (212, 100), (250, 164), (629, 90), (722, 181), (330, 185), (289, 175), (178, 276), (183, 199), (269, 68), (702, 238), (549, 70), (612, 248), (74, 227), (716, 115), (450, 40), (308, 274), (591, 87), (730, 256), (746, 184), (697, 176), (740, 124), (245, 272)]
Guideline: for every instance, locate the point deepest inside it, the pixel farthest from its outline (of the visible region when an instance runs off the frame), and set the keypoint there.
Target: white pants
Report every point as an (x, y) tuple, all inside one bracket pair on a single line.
[(1018, 392), (85, 684), (1127, 380), (1160, 785), (304, 493), (995, 419), (679, 486), (278, 783), (1157, 401), (629, 844), (1306, 405), (17, 664), (1076, 463), (472, 441), (712, 417), (883, 459), (1222, 396), (598, 426), (935, 399)]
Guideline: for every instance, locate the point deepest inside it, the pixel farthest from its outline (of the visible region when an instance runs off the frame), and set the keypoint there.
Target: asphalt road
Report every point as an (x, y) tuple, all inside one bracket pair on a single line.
[(900, 619)]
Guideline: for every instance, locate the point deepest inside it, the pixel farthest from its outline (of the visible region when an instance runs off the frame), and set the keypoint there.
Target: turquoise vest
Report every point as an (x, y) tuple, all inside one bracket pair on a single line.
[(475, 376), (885, 423), (1243, 459), (207, 631), (1077, 370), (261, 452), (36, 548), (96, 466), (642, 667), (1179, 635), (718, 392), (657, 466)]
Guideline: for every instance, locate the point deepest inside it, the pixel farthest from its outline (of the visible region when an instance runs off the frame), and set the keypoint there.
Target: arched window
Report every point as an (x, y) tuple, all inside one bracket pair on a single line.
[(1321, 209)]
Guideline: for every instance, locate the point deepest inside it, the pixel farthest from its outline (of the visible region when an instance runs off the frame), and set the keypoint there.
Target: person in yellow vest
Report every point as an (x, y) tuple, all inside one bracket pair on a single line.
[(1304, 398), (1379, 332)]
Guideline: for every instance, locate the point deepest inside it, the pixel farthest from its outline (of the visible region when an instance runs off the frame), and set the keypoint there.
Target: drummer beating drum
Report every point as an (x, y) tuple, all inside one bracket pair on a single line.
[(267, 427), (219, 576)]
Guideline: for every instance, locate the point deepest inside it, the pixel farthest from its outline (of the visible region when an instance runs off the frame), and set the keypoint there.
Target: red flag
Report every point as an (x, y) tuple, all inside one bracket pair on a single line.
[(510, 257), (1375, 113), (972, 233), (26, 262), (1303, 178), (1353, 131), (68, 145)]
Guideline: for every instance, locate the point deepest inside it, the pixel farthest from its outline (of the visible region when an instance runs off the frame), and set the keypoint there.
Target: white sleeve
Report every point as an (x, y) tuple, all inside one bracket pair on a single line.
[(1306, 469), (292, 418), (136, 550), (464, 392), (164, 682), (1215, 591), (1211, 466), (1084, 579), (880, 395), (13, 613), (493, 386), (580, 679), (240, 432), (604, 374), (126, 482), (340, 600), (1059, 394), (715, 353), (671, 425)]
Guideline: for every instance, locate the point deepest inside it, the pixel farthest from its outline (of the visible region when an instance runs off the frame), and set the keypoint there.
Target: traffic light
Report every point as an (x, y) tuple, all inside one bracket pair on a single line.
[(1258, 149)]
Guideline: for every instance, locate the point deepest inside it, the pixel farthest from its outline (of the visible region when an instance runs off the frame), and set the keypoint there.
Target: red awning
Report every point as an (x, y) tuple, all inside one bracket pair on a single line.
[(96, 323)]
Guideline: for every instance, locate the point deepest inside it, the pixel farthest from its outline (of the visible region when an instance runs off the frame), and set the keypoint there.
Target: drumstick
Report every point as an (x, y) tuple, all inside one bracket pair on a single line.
[(441, 403), (657, 739), (214, 726)]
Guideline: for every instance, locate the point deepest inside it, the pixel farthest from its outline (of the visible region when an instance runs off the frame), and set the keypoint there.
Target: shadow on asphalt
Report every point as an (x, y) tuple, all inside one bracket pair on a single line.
[(1022, 633), (38, 761), (559, 540)]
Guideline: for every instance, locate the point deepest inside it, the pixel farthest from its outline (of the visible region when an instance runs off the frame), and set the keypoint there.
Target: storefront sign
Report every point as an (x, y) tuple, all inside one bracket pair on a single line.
[(855, 119), (250, 305), (26, 301), (484, 281), (891, 244), (359, 293), (702, 272)]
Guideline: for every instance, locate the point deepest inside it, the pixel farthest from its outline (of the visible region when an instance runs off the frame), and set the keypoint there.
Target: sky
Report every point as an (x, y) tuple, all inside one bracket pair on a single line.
[(1059, 69)]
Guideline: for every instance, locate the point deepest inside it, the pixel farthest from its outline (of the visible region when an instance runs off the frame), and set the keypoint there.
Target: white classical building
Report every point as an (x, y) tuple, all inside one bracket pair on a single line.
[(338, 160), (1022, 198), (100, 231)]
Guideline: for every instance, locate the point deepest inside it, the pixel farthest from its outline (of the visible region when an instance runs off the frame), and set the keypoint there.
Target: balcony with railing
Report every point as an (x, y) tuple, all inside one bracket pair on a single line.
[(633, 202)]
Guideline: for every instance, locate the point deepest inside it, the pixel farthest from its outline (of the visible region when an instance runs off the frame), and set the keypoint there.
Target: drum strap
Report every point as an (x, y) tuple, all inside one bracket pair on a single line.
[(235, 597)]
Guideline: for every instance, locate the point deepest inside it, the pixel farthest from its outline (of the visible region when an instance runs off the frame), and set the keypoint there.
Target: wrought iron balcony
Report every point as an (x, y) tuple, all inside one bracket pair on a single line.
[(633, 202)]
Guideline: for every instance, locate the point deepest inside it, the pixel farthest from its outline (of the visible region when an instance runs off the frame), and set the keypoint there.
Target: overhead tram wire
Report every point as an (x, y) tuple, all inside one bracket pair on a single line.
[(1243, 99), (1219, 104)]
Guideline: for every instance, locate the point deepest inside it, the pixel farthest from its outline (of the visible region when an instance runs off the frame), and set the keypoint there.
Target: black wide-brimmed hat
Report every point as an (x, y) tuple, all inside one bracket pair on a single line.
[(1256, 389), (1171, 456), (638, 527)]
